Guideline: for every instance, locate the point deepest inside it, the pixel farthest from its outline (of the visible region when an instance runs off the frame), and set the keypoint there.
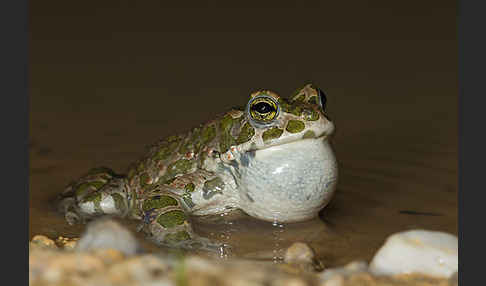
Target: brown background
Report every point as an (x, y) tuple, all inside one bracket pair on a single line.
[(109, 77)]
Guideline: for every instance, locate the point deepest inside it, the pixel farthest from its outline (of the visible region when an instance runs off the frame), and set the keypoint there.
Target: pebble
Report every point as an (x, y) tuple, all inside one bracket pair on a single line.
[(335, 276), (140, 270), (66, 243), (57, 265), (417, 251), (302, 254), (106, 233), (43, 242)]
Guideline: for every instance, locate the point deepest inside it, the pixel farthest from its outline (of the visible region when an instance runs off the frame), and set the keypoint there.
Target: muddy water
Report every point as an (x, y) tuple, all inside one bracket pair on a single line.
[(106, 81)]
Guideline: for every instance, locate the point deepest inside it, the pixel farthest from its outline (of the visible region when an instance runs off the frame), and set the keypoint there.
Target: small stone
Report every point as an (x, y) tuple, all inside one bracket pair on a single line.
[(41, 241), (417, 251), (335, 280), (139, 270), (70, 245), (66, 243), (107, 234), (349, 269), (109, 256), (301, 254), (356, 266), (55, 267)]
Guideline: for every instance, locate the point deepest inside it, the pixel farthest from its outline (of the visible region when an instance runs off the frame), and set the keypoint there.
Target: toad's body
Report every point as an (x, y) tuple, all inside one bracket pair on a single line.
[(272, 160)]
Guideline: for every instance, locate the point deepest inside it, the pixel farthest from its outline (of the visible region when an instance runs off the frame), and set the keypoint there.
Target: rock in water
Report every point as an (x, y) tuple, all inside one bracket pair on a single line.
[(302, 254), (42, 241), (417, 251), (107, 234)]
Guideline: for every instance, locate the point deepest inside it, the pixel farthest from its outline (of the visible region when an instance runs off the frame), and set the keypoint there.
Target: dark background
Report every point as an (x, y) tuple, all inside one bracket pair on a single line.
[(109, 77)]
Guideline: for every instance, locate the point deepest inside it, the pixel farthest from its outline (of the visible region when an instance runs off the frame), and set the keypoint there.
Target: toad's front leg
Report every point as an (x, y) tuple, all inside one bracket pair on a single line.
[(166, 221)]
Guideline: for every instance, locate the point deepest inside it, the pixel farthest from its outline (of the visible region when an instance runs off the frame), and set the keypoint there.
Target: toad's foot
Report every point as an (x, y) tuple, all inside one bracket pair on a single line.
[(99, 192)]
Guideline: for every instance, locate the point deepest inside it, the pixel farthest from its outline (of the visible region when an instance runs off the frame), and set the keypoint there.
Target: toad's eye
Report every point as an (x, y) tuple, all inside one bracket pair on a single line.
[(263, 109), (322, 99)]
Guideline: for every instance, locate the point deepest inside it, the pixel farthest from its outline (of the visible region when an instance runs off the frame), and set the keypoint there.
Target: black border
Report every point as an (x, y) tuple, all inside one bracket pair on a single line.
[(15, 160), (472, 47)]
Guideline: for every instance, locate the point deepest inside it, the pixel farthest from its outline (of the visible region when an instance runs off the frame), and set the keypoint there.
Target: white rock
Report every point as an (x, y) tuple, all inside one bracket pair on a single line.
[(105, 233), (417, 251)]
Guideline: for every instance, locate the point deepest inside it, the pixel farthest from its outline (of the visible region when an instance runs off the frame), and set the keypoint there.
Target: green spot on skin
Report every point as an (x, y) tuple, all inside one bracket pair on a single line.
[(309, 134), (311, 115), (196, 139), (85, 187), (295, 126), (158, 202), (247, 132), (119, 201), (177, 237), (226, 123), (272, 133), (284, 104), (188, 200), (293, 107), (163, 153), (212, 187), (182, 166), (168, 148), (226, 140), (97, 184), (214, 184), (208, 134), (93, 197), (171, 219), (190, 187), (185, 147), (296, 110)]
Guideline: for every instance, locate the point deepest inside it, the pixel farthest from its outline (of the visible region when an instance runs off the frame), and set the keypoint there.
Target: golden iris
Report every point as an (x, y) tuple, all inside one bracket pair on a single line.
[(263, 109)]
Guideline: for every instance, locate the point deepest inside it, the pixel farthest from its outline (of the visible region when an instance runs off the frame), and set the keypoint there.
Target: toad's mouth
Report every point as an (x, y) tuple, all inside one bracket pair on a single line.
[(282, 143)]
